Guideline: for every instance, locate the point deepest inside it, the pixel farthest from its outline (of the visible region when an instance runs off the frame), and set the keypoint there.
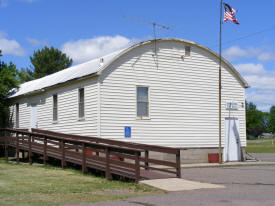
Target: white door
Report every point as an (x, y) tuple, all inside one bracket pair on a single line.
[(232, 140), (33, 123)]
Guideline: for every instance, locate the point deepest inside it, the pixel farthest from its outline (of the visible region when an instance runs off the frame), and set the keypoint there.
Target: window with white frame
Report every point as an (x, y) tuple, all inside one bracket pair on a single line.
[(55, 107), (142, 102), (81, 108), (17, 115)]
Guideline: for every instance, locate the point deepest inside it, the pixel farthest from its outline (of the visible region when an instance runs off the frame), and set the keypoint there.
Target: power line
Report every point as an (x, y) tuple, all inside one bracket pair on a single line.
[(247, 36)]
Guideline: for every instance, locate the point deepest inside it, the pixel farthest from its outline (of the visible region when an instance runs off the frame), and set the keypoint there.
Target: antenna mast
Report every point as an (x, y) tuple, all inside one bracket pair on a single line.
[(154, 24)]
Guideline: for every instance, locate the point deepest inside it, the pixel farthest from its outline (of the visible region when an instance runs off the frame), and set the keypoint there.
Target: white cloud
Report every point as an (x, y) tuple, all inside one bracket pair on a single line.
[(263, 98), (262, 83), (29, 1), (264, 107), (266, 56), (86, 49), (262, 54), (257, 76), (11, 47), (33, 41), (245, 69), (3, 34), (234, 53), (3, 3)]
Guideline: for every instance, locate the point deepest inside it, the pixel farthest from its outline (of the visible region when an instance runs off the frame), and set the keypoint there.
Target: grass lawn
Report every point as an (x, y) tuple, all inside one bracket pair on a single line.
[(261, 147), (25, 184)]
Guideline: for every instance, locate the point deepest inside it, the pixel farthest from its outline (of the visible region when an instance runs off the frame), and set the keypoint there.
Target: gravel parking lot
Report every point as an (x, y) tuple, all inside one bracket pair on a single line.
[(253, 186)]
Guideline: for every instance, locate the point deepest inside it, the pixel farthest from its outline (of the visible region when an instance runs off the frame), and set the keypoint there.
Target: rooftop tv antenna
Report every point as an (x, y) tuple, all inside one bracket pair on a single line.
[(154, 24)]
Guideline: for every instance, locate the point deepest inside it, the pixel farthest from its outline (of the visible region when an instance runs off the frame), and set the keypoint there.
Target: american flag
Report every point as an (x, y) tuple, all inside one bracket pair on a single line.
[(229, 14)]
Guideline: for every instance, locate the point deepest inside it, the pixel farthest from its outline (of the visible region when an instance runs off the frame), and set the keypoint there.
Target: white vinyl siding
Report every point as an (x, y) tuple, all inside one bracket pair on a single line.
[(68, 109), (183, 99), (20, 113)]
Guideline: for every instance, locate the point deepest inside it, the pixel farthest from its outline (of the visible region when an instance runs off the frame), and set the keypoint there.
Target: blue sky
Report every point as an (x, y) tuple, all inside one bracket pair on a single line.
[(85, 29)]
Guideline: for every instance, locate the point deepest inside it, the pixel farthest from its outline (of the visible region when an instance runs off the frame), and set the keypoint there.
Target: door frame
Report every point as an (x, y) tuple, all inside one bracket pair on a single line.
[(32, 113), (226, 142)]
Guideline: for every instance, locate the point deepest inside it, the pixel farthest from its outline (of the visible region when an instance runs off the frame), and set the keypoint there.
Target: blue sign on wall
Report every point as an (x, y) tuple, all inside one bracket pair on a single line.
[(127, 132)]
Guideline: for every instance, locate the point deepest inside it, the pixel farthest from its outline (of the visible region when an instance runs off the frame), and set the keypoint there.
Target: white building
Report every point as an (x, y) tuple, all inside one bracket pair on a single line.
[(162, 92)]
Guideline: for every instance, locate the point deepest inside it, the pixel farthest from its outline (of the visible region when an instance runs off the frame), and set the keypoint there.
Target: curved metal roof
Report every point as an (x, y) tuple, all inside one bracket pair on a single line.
[(93, 67), (72, 73), (237, 74)]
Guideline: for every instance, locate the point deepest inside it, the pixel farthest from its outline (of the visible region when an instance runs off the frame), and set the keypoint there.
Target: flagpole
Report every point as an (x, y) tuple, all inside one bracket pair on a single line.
[(220, 87)]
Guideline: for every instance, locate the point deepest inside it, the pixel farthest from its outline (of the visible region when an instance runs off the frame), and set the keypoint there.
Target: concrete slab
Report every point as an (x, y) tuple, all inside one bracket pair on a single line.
[(177, 184), (224, 164), (228, 164)]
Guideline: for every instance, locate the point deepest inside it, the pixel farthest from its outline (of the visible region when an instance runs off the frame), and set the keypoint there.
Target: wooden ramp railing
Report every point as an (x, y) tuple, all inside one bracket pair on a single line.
[(91, 152)]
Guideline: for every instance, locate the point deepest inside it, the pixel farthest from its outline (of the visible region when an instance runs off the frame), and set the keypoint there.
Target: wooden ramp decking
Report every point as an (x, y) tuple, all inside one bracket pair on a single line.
[(125, 159)]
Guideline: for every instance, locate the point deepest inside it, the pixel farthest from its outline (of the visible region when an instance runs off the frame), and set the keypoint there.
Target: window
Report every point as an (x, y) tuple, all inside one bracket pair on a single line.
[(81, 103), (187, 51), (142, 102), (55, 107), (17, 115)]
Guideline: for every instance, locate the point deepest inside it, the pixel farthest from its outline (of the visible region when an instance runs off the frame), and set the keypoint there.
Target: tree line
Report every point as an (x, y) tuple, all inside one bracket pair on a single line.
[(44, 61), (49, 60), (258, 122)]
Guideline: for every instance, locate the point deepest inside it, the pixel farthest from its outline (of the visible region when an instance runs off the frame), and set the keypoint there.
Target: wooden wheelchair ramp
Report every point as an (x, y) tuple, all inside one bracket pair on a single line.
[(130, 160)]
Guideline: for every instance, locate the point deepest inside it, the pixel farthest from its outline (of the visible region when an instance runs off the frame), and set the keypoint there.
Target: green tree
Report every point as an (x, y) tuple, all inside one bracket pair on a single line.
[(25, 75), (44, 62), (255, 120), (8, 81), (271, 122)]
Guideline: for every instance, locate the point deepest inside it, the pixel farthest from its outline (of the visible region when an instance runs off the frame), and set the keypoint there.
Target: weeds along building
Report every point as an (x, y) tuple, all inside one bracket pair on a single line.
[(162, 92)]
